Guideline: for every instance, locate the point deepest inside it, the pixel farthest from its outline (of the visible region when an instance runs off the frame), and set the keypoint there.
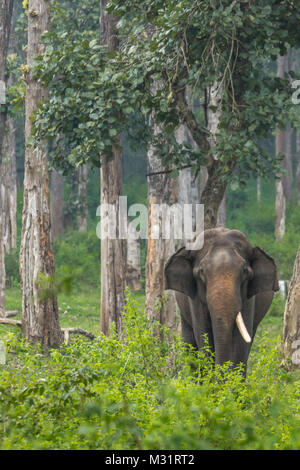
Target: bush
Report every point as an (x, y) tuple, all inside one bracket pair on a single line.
[(139, 392)]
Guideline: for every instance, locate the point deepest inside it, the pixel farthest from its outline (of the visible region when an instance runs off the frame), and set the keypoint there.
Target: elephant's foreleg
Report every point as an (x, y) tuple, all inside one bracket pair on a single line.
[(187, 333)]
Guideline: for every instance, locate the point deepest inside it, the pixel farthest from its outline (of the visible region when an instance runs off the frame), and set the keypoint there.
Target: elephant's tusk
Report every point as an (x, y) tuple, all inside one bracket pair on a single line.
[(242, 328)]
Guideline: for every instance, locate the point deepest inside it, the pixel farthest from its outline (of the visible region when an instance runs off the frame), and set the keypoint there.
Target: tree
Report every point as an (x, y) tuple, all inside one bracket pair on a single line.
[(113, 251), (298, 165), (229, 44), (6, 7), (291, 319), (162, 189), (40, 322), (283, 146), (133, 264)]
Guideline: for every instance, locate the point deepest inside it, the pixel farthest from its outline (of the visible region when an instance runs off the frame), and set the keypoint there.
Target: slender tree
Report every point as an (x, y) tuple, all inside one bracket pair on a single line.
[(280, 147), (40, 322), (6, 8), (298, 165), (162, 189), (291, 319), (113, 251)]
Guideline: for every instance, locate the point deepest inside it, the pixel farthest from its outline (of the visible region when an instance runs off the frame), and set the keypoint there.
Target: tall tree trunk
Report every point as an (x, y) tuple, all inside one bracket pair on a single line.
[(57, 204), (221, 217), (287, 178), (213, 194), (280, 205), (9, 188), (282, 145), (162, 189), (83, 208), (188, 186), (298, 165), (258, 189), (291, 319), (133, 265), (113, 251), (40, 322), (6, 8)]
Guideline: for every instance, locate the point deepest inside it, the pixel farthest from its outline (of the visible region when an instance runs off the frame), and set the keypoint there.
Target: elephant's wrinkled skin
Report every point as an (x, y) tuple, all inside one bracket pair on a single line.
[(214, 284)]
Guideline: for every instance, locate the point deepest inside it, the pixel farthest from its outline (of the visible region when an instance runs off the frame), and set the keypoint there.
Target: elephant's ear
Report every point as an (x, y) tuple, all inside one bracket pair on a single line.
[(179, 273), (264, 273)]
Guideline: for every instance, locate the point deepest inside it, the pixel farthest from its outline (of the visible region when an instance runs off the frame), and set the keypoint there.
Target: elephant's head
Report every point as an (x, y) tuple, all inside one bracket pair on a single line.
[(223, 276)]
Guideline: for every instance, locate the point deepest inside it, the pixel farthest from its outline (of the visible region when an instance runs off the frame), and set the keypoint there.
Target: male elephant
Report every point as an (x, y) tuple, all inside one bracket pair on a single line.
[(223, 290)]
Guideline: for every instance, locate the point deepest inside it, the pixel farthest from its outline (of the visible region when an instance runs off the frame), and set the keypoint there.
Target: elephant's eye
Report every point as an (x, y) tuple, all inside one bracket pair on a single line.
[(200, 272)]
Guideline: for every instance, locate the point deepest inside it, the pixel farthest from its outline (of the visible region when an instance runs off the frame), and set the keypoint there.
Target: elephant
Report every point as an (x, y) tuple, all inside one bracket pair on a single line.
[(223, 291)]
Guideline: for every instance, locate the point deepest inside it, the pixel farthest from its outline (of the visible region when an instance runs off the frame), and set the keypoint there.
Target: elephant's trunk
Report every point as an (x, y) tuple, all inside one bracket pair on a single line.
[(225, 304)]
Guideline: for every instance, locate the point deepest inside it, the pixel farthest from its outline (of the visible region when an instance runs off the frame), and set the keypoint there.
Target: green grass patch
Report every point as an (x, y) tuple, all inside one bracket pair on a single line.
[(139, 392)]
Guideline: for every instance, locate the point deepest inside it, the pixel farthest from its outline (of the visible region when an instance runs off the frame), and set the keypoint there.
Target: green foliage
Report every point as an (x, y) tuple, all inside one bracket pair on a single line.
[(95, 95), (139, 392), (77, 257), (12, 268)]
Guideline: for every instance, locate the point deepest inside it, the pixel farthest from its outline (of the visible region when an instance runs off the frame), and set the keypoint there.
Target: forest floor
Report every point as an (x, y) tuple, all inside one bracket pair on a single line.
[(141, 393), (82, 309)]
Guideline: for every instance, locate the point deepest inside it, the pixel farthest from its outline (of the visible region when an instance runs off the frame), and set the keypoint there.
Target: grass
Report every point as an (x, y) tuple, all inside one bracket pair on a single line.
[(140, 393), (80, 308)]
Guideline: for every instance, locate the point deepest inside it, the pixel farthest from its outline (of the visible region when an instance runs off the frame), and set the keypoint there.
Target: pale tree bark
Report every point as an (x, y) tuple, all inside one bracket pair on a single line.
[(188, 185), (280, 205), (287, 177), (40, 322), (202, 179), (133, 265), (57, 204), (6, 8), (113, 251), (283, 186), (82, 197), (162, 189), (258, 189), (291, 319), (2, 276), (8, 171), (188, 188), (298, 166), (213, 114)]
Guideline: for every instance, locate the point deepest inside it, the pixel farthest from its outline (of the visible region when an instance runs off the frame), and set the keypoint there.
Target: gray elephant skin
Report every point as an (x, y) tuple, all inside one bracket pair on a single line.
[(223, 290)]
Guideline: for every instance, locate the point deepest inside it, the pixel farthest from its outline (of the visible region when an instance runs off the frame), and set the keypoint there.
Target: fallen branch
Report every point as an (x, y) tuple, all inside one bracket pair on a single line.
[(76, 330), (66, 331), (10, 322), (11, 313)]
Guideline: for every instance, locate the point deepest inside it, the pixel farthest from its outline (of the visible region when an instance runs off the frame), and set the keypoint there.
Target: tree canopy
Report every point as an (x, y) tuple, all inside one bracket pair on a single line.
[(188, 46)]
